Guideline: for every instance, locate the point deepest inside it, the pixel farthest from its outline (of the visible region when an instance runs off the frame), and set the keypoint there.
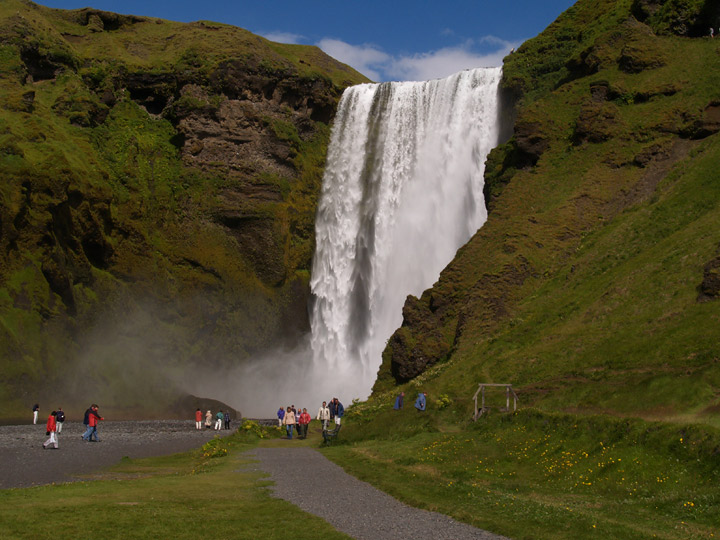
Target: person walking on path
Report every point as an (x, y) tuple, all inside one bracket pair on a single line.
[(227, 419), (280, 415), (51, 428), (218, 420), (93, 420), (399, 401), (86, 422), (420, 402), (59, 419), (208, 419), (303, 424), (198, 419), (324, 415), (339, 411), (36, 411), (333, 409), (289, 421)]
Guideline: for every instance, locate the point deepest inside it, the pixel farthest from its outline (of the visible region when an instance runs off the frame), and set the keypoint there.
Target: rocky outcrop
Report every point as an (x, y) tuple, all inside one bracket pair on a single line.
[(598, 252), (170, 178)]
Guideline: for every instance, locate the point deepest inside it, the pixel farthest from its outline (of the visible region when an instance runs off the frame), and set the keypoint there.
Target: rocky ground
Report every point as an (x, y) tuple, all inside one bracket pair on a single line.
[(24, 462)]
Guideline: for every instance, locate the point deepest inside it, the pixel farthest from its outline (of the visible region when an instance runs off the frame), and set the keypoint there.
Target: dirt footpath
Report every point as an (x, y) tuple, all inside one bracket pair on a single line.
[(24, 462)]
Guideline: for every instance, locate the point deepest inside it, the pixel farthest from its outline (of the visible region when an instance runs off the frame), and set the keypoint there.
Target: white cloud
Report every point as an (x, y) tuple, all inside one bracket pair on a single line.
[(380, 66), (283, 37), (367, 59), (442, 63)]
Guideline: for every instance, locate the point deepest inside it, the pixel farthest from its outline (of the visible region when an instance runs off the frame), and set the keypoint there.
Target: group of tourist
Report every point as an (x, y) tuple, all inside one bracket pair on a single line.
[(55, 421), (222, 419), (290, 417)]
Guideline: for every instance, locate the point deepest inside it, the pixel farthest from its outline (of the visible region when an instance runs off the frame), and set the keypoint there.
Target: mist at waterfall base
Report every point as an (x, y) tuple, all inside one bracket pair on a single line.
[(402, 192)]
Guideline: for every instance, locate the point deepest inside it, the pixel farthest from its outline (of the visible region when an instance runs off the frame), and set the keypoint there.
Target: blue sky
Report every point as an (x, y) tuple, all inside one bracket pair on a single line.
[(385, 40)]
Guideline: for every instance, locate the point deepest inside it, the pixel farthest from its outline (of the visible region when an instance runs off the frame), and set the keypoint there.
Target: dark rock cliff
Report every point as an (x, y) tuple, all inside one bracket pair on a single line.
[(158, 198)]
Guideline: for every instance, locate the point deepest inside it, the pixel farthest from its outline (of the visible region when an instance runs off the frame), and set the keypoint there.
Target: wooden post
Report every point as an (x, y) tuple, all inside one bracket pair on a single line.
[(507, 397), (483, 397)]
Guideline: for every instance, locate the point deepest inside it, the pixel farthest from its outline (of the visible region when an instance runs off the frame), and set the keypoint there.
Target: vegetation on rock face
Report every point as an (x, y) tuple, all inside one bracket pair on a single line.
[(593, 285), (158, 193)]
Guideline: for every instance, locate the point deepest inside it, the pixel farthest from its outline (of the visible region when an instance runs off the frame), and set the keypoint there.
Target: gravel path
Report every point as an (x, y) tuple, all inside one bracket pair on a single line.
[(350, 505), (24, 462)]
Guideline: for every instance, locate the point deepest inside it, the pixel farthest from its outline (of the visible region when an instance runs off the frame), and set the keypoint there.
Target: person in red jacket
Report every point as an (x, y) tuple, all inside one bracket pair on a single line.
[(51, 430), (303, 422), (93, 419), (198, 419)]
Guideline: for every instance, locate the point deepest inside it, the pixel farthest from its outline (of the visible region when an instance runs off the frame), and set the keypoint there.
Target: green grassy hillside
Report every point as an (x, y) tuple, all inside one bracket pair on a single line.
[(157, 200), (593, 285)]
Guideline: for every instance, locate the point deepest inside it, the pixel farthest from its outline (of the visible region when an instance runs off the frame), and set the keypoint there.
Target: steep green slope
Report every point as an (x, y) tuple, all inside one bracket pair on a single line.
[(593, 286), (157, 201)]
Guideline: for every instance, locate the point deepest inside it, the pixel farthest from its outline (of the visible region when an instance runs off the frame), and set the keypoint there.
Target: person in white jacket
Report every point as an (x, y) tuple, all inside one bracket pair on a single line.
[(289, 422), (324, 415)]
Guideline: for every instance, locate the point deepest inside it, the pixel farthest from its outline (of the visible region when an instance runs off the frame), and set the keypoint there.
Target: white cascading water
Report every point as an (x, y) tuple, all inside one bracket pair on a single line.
[(402, 191)]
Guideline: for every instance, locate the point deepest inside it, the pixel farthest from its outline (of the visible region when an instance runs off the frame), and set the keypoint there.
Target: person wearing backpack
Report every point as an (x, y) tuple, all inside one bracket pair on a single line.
[(59, 419)]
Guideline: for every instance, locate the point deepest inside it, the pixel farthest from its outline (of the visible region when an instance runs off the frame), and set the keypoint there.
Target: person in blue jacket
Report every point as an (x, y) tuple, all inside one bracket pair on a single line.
[(339, 411), (420, 401), (399, 401), (280, 415)]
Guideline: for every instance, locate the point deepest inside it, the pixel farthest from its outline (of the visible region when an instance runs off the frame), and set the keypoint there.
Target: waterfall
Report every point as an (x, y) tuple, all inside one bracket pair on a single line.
[(402, 191)]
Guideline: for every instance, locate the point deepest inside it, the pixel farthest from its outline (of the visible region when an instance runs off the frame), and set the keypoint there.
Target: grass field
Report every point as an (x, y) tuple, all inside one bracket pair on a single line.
[(206, 493), (529, 475), (537, 475)]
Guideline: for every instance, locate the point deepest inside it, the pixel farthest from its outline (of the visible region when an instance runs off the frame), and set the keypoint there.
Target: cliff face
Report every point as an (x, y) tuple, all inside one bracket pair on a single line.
[(158, 198), (592, 286)]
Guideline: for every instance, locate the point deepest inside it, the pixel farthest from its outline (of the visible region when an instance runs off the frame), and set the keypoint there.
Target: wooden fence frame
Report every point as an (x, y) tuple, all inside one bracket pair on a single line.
[(478, 412)]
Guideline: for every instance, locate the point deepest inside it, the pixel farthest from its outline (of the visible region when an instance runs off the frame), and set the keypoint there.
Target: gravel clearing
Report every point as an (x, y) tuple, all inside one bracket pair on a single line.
[(309, 480), (24, 462)]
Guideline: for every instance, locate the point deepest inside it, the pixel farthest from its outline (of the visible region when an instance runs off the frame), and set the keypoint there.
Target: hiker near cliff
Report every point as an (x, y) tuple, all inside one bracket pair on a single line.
[(399, 401), (198, 419), (420, 402)]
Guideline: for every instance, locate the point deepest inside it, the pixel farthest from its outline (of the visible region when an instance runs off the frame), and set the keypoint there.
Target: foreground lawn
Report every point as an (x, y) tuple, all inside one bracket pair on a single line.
[(535, 475), (207, 493)]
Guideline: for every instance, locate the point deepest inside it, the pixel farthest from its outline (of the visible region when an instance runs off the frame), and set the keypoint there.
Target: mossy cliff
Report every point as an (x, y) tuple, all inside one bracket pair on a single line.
[(157, 202), (594, 285)]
